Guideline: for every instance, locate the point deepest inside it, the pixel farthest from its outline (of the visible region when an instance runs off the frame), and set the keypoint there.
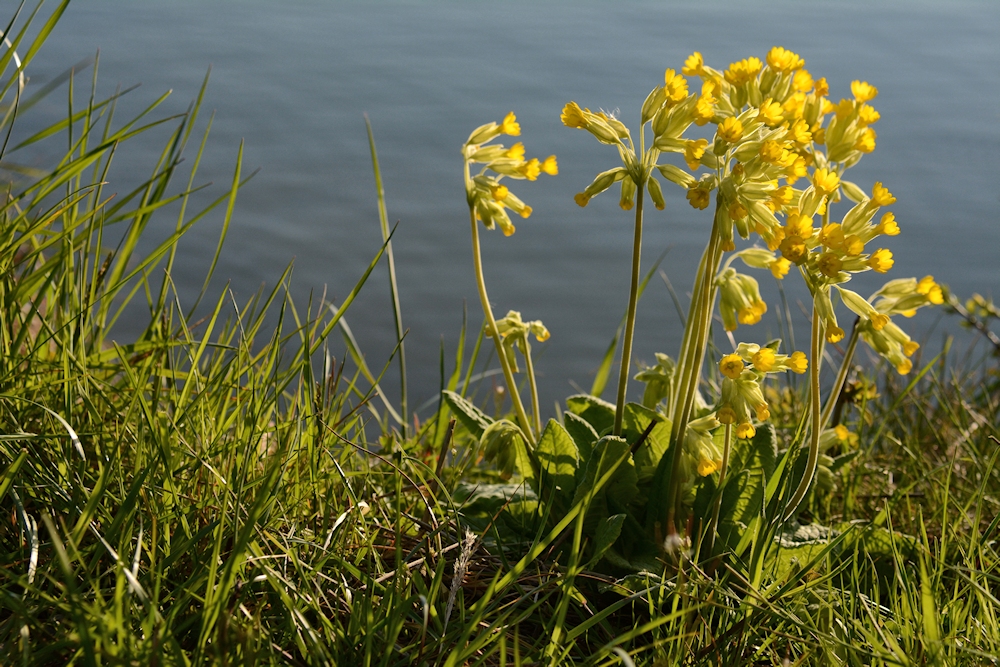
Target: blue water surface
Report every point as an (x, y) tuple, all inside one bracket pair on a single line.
[(294, 79)]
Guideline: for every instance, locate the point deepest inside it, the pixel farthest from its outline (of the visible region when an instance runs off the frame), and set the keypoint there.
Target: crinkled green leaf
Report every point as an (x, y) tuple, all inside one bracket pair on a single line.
[(582, 432), (597, 412), (559, 459), (471, 417)]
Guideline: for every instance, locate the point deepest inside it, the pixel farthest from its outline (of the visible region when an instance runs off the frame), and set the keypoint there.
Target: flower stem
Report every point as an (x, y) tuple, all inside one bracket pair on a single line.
[(713, 529), (530, 369), (817, 419), (838, 385), (491, 322), (633, 298)]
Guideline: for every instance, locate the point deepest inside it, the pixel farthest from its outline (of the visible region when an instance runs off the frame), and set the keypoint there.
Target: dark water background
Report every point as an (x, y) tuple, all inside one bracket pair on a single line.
[(293, 79)]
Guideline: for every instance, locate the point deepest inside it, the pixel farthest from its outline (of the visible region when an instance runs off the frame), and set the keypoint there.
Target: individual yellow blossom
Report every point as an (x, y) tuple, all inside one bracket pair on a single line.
[(881, 195), (581, 198), (793, 249), (826, 181), (731, 130), (863, 91), (675, 86), (834, 334), (752, 314), (516, 152), (887, 225), (798, 363), (510, 125), (772, 152), (853, 246), (832, 236), (745, 431), (743, 71), (530, 169), (763, 360), (822, 87), (931, 290), (799, 225), (830, 265), (881, 260), (867, 115), (572, 116), (694, 65), (798, 169), (499, 192), (706, 467), (693, 151), (782, 60), (904, 367), (737, 211), (866, 141), (802, 81), (800, 132), (549, 166), (819, 135), (731, 366), (704, 110), (770, 113), (779, 267), (844, 109), (698, 197), (909, 347), (525, 211)]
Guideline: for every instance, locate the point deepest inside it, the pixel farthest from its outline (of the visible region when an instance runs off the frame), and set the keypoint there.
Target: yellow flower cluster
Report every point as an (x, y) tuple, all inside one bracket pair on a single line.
[(489, 199)]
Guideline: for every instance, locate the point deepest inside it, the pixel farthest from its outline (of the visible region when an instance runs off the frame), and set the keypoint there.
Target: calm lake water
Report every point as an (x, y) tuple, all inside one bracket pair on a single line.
[(293, 79)]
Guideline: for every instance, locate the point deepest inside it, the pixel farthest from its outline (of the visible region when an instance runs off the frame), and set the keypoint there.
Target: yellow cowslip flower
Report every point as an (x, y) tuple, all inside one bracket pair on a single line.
[(726, 415), (499, 192), (798, 169), (844, 109), (867, 115), (770, 113), (731, 366), (704, 110), (794, 249), (887, 225), (730, 130), (853, 246), (707, 466), (693, 151), (698, 197), (743, 71), (863, 91), (581, 199), (829, 264), (881, 260), (737, 211), (782, 60), (832, 236), (802, 81), (745, 431), (818, 134), (675, 86), (834, 334), (826, 181), (779, 267), (798, 362), (800, 132), (763, 360), (881, 195), (516, 152), (931, 290), (866, 141), (530, 169), (799, 225), (572, 116), (752, 314), (822, 87), (694, 65), (772, 152), (510, 125), (549, 166)]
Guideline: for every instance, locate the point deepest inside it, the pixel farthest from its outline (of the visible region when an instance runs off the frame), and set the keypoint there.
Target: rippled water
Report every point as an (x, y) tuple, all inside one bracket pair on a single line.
[(293, 79)]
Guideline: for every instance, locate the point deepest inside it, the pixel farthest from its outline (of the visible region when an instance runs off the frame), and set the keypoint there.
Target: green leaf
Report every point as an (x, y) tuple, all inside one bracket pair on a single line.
[(634, 422), (608, 531), (505, 445), (743, 499), (582, 432), (620, 490), (559, 459), (473, 419), (597, 412)]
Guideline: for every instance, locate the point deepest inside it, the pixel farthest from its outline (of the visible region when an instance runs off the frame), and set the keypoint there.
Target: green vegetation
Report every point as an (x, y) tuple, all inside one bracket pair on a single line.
[(225, 490)]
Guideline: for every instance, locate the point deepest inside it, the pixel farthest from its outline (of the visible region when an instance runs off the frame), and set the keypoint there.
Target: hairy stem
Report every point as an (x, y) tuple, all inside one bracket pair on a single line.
[(817, 419), (633, 298)]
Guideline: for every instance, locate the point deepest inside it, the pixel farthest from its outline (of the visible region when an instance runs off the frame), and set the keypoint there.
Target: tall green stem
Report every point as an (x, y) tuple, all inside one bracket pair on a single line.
[(530, 369), (633, 298), (508, 375), (817, 419), (838, 385), (713, 529)]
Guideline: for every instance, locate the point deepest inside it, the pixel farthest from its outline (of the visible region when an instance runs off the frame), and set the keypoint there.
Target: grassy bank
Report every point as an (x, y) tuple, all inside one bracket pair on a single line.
[(234, 486)]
